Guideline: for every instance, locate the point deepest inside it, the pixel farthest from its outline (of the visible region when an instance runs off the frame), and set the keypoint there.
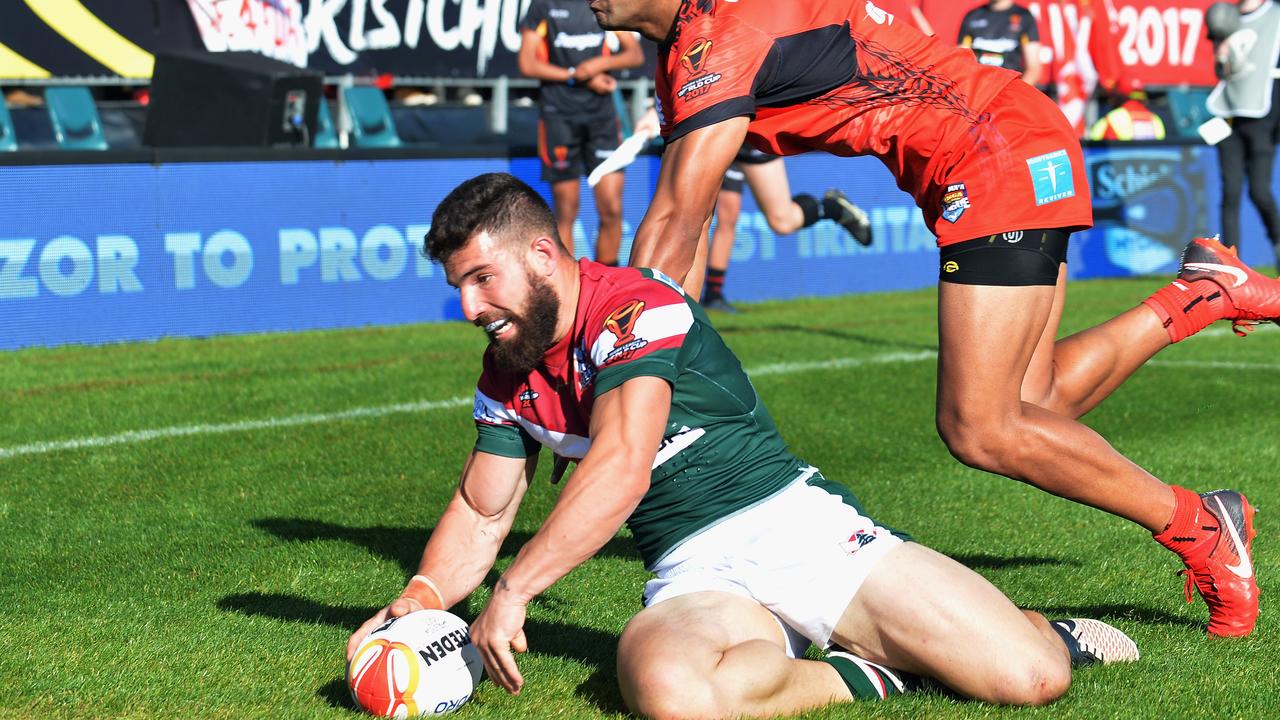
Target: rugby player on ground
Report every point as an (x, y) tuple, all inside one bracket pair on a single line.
[(1000, 179), (755, 554)]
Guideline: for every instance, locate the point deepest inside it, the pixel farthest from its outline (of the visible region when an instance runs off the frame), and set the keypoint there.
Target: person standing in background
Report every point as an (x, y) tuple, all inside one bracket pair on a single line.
[(1246, 53), (1003, 34), (562, 46), (1130, 119)]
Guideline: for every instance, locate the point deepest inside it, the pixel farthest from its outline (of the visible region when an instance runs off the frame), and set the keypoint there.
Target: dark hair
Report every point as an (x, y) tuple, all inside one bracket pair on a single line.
[(497, 203)]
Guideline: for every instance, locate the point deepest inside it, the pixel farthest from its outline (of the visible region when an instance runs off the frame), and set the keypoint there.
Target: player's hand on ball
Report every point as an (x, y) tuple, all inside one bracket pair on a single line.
[(496, 633), (420, 594), (398, 607)]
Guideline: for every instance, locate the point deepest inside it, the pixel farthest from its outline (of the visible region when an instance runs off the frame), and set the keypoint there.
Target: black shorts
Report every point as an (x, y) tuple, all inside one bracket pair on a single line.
[(733, 179), (571, 146), (1018, 258), (747, 155), (752, 156)]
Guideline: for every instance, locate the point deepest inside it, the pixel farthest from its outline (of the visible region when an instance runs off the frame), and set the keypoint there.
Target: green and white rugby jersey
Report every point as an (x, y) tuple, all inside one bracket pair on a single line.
[(721, 451)]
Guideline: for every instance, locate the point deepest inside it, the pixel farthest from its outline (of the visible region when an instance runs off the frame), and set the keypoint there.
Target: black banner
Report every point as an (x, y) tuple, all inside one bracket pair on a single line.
[(42, 39)]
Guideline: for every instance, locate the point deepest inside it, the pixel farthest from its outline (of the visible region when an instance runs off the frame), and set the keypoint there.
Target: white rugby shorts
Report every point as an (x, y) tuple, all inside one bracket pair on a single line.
[(802, 554)]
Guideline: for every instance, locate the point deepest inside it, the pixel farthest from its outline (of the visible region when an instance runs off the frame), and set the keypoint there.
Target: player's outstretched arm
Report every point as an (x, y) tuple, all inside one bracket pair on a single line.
[(466, 541), (627, 424), (693, 167)]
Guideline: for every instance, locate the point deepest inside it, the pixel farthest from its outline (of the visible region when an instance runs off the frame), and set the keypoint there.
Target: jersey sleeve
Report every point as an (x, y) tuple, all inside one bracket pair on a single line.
[(709, 74), (965, 38), (498, 431), (1030, 31), (639, 332), (536, 14)]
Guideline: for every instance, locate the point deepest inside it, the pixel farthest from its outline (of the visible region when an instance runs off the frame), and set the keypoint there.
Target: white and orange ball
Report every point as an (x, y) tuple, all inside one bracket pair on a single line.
[(420, 664)]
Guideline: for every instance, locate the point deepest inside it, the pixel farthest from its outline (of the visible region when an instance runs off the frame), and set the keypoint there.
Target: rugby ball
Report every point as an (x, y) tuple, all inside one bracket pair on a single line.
[(417, 665)]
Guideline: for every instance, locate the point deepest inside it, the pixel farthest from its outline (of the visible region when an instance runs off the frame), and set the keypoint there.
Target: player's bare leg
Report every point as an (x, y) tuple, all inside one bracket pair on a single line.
[(772, 191), (728, 209), (985, 377), (987, 338), (923, 612), (564, 204), (692, 281), (608, 197), (1072, 375), (717, 655)]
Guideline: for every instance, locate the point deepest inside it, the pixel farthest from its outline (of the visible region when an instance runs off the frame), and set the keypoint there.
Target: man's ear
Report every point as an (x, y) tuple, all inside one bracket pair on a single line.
[(544, 253)]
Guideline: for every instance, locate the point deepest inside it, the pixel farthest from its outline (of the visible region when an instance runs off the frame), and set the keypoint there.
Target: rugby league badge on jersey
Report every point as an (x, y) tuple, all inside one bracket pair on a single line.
[(1051, 177), (955, 200)]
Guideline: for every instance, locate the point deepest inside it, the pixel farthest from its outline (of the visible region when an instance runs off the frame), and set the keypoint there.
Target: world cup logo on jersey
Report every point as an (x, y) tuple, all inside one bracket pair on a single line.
[(622, 322), (694, 60), (696, 55)]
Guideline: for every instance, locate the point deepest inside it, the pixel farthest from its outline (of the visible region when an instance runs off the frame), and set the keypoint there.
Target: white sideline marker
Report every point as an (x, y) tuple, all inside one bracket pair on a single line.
[(786, 368)]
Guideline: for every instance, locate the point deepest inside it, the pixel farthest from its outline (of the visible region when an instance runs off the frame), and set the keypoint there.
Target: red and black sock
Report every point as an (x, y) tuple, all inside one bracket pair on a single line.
[(1190, 525), (1186, 308), (715, 283)]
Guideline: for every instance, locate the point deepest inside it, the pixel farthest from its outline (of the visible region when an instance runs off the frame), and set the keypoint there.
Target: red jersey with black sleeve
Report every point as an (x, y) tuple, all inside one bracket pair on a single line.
[(848, 78)]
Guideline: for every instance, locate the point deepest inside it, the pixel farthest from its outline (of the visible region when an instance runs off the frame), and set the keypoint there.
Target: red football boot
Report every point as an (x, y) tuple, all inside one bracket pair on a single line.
[(1256, 297), (1220, 564)]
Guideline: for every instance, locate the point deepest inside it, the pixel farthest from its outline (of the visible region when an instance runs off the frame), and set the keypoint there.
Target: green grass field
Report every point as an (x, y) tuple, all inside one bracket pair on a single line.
[(191, 528)]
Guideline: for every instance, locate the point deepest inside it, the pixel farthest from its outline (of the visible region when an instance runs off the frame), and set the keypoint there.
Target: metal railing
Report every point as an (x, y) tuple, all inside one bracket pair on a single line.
[(636, 91)]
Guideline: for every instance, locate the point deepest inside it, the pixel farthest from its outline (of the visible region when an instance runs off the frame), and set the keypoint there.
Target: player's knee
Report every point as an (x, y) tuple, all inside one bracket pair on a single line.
[(782, 222), (1033, 683), (977, 442), (657, 682), (666, 690), (610, 212)]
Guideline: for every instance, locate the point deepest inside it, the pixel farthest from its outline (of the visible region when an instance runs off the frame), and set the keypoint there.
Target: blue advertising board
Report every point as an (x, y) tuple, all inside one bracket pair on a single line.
[(108, 253)]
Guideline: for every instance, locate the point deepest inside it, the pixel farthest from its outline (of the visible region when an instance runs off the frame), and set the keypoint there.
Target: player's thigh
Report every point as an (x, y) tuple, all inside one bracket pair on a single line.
[(996, 302), (769, 184), (921, 611), (1038, 383), (682, 639)]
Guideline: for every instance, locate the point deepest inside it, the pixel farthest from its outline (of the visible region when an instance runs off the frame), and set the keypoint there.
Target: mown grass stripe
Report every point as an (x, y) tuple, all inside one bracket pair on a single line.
[(784, 368)]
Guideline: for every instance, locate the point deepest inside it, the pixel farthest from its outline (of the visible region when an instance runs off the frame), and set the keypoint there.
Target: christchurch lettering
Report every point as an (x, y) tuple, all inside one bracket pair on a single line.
[(474, 25)]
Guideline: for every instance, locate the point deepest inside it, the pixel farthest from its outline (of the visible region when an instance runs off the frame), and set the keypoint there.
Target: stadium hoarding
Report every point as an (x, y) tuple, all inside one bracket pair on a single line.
[(107, 253), (41, 40)]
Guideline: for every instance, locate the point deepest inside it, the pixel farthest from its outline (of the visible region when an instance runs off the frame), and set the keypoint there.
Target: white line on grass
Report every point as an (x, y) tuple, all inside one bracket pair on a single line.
[(243, 425), (785, 368)]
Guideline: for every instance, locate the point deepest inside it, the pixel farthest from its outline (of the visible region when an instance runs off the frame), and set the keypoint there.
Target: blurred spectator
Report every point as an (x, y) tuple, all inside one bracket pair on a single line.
[(1246, 51), (1131, 119), (562, 46), (18, 97), (414, 96), (1004, 34)]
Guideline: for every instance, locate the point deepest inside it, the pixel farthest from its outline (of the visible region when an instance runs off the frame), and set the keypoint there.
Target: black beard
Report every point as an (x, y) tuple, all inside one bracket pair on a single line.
[(535, 331)]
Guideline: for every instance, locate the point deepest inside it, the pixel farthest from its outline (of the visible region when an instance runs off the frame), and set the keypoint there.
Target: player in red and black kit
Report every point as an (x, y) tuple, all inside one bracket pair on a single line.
[(999, 176), (562, 46)]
